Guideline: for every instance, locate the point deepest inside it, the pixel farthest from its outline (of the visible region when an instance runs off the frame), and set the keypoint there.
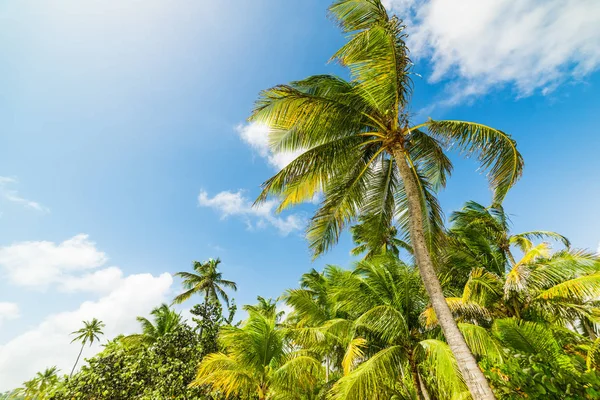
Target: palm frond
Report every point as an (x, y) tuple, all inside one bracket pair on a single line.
[(496, 151)]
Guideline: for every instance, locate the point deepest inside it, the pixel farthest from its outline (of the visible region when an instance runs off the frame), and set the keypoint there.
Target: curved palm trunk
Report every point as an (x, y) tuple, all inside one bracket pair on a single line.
[(473, 376), (76, 361)]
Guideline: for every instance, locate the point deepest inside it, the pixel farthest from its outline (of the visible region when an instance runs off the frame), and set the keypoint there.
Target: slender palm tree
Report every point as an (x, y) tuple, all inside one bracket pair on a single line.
[(91, 331), (258, 363), (206, 279), (362, 152), (165, 320)]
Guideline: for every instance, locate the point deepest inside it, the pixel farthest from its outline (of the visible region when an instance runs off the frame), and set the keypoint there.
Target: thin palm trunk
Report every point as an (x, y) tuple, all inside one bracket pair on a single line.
[(473, 376), (416, 379), (76, 361), (205, 308)]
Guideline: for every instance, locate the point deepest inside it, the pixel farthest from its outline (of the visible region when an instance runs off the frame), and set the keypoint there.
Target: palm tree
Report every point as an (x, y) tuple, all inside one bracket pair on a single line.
[(493, 225), (206, 279), (40, 386), (375, 342), (165, 321), (363, 153), (376, 239), (560, 289), (258, 363), (266, 307), (90, 332)]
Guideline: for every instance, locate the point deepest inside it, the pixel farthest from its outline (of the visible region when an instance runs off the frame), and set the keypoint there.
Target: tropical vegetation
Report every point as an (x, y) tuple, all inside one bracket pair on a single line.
[(430, 309)]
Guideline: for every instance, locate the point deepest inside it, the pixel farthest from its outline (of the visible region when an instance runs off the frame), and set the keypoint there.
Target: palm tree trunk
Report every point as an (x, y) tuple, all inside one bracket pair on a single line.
[(205, 308), (76, 361), (473, 376), (416, 379), (589, 330)]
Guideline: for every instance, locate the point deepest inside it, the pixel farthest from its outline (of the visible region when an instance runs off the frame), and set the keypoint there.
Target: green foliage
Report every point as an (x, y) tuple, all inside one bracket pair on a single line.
[(159, 371)]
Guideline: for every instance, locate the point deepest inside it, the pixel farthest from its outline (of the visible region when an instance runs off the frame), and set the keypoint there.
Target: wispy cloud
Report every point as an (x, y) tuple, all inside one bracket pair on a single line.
[(12, 195), (257, 137), (532, 46), (229, 203)]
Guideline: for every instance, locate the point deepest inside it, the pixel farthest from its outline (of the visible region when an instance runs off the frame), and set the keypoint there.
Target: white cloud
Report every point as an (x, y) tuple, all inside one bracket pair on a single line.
[(236, 204), (38, 264), (257, 137), (13, 196), (48, 343), (530, 45), (8, 311), (102, 281)]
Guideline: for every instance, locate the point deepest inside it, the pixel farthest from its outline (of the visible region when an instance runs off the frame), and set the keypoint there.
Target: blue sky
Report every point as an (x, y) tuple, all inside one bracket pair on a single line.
[(124, 153)]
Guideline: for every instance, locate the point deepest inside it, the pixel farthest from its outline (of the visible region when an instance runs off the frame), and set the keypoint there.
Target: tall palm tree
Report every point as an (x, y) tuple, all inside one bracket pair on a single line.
[(258, 363), (165, 320), (205, 279), (91, 331), (363, 153)]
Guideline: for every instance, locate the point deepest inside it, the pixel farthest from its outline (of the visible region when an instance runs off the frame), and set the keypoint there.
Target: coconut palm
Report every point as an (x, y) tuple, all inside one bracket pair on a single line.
[(258, 363), (367, 158), (372, 237), (205, 279), (91, 331), (491, 224), (375, 342), (558, 288), (165, 320), (266, 307), (40, 386)]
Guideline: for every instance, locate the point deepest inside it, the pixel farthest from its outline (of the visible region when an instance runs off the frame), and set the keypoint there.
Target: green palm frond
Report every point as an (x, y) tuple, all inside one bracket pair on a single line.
[(524, 240), (387, 322), (226, 374), (593, 356), (373, 378), (526, 336), (441, 369), (483, 287), (465, 311), (496, 151), (481, 343), (355, 15), (580, 289)]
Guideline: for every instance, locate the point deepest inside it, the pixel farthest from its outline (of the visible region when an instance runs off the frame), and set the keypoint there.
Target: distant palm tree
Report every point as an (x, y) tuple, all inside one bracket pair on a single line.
[(375, 238), (165, 321), (266, 307), (206, 279), (257, 363), (90, 332), (361, 150), (39, 387)]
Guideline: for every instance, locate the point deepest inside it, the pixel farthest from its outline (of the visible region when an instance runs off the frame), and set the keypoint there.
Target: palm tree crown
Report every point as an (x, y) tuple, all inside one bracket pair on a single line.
[(91, 331), (206, 279)]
